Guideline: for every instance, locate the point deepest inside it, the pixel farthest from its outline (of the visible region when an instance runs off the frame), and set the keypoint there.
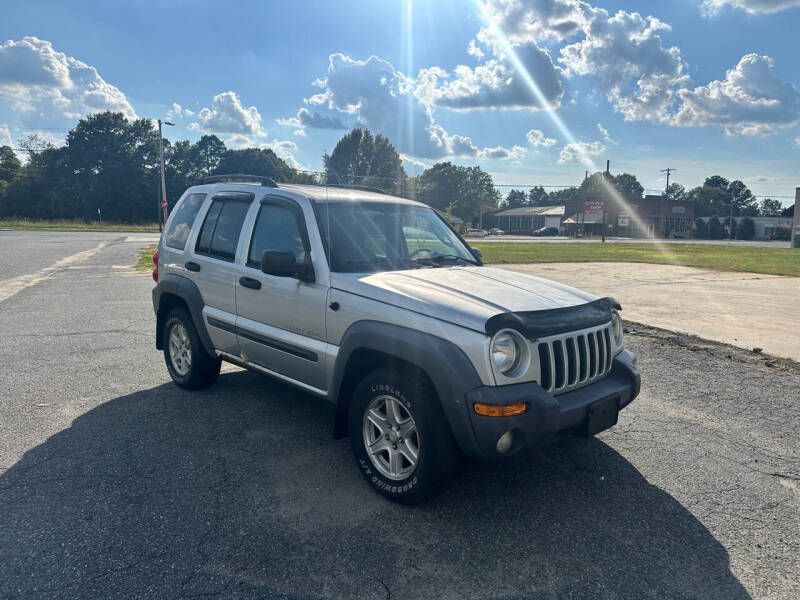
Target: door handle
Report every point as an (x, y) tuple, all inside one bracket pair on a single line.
[(192, 266), (249, 282)]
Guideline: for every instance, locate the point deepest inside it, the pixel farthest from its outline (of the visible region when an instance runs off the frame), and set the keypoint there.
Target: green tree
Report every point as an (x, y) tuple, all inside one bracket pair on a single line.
[(746, 229), (700, 229), (742, 199), (709, 200), (770, 207), (628, 186), (360, 158), (10, 165), (465, 192), (537, 196), (716, 181), (206, 154), (714, 229), (254, 161), (562, 197), (675, 191), (515, 199)]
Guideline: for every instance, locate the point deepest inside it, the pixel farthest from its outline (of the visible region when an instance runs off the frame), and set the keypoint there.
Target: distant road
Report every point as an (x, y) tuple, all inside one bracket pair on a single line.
[(615, 240)]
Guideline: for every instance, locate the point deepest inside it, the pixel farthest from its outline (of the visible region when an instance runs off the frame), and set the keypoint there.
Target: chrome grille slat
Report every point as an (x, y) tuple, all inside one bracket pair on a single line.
[(575, 359)]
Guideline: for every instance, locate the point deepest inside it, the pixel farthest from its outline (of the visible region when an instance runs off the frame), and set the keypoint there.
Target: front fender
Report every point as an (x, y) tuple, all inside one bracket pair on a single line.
[(450, 371)]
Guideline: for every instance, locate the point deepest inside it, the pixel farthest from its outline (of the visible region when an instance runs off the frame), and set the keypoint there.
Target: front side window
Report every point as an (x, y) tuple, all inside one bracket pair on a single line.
[(377, 236), (183, 221), (220, 233), (277, 228)]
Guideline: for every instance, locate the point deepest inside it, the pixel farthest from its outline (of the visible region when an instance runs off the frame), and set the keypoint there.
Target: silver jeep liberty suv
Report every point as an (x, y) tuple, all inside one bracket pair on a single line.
[(375, 304)]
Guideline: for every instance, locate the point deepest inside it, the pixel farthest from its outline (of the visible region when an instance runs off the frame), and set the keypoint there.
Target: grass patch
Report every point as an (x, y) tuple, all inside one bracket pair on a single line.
[(69, 225), (144, 263), (753, 259)]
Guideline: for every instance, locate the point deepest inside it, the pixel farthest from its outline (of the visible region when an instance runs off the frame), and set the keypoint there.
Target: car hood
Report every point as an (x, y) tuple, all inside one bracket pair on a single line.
[(465, 296)]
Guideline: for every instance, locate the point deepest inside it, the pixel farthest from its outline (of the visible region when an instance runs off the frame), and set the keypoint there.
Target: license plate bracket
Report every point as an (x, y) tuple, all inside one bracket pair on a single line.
[(601, 415)]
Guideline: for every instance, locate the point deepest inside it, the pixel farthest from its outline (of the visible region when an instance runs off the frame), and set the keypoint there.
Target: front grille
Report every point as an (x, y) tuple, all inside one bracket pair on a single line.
[(575, 359)]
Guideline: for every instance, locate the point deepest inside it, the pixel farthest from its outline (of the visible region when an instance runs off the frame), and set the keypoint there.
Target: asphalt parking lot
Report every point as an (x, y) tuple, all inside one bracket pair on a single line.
[(115, 483)]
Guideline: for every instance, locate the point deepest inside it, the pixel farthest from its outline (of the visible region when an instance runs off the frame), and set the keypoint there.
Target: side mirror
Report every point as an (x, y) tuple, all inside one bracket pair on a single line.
[(477, 254), (282, 263)]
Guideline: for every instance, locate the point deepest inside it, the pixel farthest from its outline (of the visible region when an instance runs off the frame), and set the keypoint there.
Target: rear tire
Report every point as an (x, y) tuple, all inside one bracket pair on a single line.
[(188, 363), (400, 436)]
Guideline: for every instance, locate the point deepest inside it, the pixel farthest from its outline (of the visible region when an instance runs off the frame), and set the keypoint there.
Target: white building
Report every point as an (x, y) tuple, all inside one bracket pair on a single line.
[(525, 219)]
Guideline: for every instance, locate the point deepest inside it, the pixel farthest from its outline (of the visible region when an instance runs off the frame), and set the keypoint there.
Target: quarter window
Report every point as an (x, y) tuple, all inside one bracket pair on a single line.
[(220, 233), (183, 221), (276, 228)]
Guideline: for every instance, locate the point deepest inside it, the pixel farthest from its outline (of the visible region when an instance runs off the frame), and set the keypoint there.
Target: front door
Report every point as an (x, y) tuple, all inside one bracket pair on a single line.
[(281, 320)]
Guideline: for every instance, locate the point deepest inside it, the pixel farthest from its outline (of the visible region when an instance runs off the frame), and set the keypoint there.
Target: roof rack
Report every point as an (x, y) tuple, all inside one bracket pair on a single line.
[(265, 181), (364, 188)]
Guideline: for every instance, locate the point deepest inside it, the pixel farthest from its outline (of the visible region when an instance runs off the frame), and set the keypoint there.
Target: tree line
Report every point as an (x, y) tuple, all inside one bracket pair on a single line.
[(108, 168)]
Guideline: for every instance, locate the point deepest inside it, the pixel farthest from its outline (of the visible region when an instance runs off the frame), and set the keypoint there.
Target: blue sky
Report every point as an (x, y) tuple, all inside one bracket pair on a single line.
[(704, 86)]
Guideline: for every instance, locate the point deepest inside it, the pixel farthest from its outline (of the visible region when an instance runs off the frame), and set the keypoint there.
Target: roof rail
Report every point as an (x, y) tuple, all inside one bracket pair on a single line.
[(265, 181), (364, 188)]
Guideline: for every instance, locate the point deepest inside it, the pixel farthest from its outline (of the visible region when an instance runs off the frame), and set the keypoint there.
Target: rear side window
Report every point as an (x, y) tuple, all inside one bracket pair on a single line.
[(183, 221), (276, 228), (220, 233)]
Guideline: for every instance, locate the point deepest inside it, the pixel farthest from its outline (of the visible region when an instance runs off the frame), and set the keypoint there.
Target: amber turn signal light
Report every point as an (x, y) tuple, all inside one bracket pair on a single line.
[(500, 410)]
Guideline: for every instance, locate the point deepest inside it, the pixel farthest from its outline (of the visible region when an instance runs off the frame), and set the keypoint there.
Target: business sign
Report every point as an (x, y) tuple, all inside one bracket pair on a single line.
[(678, 210), (623, 221), (592, 208)]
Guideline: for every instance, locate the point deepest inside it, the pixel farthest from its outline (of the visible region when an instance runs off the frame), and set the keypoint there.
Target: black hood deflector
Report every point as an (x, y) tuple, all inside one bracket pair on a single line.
[(542, 323)]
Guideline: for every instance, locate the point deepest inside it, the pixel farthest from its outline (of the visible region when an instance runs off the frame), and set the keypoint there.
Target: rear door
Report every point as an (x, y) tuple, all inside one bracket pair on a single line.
[(281, 322), (212, 265)]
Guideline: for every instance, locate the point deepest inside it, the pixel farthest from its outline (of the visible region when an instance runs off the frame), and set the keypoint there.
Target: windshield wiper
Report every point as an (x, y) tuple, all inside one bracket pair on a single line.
[(440, 258)]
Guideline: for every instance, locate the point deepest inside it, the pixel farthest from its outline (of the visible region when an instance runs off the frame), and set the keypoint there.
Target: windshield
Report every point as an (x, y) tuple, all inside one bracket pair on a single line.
[(377, 236)]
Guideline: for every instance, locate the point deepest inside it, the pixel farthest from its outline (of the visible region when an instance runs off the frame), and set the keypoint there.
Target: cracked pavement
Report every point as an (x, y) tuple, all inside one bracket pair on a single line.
[(115, 483)]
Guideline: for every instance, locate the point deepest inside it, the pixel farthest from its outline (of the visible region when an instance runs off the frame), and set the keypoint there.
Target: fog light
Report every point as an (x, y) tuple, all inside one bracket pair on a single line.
[(505, 441)]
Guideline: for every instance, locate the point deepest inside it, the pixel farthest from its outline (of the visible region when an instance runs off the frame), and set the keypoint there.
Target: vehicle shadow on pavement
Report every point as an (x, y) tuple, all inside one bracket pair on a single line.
[(239, 491)]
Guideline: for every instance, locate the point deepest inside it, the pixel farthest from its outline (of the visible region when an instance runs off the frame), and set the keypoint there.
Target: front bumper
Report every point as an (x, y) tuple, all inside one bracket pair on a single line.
[(547, 416)]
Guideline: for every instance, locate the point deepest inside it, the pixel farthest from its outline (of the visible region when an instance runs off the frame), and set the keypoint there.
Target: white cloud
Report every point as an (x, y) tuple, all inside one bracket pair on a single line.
[(386, 101), (502, 153), (537, 138), (306, 119), (179, 112), (285, 149), (495, 83), (238, 141), (604, 132), (5, 135), (36, 77), (580, 152), (712, 7), (642, 78), (797, 141), (749, 101), (228, 115), (473, 50)]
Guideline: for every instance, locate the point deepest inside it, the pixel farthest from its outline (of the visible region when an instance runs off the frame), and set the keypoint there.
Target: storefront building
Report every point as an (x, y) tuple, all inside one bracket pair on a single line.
[(651, 216)]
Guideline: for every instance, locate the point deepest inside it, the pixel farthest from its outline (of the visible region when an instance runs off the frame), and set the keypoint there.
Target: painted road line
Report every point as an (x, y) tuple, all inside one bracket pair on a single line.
[(11, 286)]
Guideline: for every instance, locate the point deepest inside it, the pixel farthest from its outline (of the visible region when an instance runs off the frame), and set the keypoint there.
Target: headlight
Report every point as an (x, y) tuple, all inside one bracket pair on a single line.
[(508, 352), (616, 328)]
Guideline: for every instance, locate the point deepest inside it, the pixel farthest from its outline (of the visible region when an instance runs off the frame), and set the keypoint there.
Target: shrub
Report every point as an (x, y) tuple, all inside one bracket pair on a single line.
[(714, 229), (701, 229), (746, 229), (783, 234)]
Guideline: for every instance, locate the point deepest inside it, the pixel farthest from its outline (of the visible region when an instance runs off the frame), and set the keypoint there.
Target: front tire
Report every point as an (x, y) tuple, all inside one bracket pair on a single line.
[(188, 363), (400, 436)]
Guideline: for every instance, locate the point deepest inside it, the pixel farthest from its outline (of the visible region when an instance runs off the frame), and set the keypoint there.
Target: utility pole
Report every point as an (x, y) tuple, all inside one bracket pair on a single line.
[(163, 218), (796, 220), (608, 182), (668, 170)]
